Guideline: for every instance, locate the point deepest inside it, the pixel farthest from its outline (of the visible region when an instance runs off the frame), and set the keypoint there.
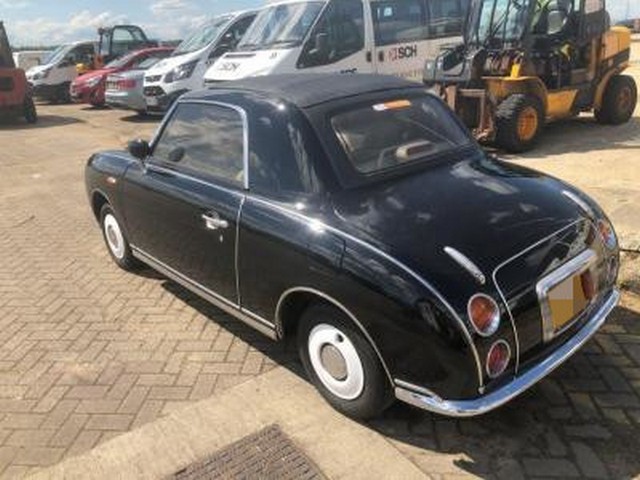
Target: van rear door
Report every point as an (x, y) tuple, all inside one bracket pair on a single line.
[(407, 32)]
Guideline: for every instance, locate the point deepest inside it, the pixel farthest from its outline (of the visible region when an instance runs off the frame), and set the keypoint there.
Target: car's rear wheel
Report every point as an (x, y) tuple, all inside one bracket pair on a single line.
[(116, 239), (341, 363), (619, 101), (30, 112)]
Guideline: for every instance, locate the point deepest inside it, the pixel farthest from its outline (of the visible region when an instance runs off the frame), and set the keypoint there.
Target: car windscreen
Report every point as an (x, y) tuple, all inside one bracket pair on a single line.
[(203, 36), (283, 25), (383, 136), (57, 55)]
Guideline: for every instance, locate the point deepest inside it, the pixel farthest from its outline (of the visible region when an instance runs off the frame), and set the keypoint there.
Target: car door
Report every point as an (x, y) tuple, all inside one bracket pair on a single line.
[(408, 32), (182, 207), (338, 41)]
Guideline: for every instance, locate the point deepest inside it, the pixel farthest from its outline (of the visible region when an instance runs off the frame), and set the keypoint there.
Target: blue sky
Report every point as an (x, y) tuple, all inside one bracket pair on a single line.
[(50, 22), (47, 22)]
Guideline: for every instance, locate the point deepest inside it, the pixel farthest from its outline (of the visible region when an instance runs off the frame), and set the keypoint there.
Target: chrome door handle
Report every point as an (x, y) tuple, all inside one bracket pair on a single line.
[(213, 221)]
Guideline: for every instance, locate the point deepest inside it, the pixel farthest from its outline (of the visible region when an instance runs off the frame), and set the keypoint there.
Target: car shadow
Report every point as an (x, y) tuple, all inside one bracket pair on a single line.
[(137, 118), (44, 121), (584, 419), (581, 135)]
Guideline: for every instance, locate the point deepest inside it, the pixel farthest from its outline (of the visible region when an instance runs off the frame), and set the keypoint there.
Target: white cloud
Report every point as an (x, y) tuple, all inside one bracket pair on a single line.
[(14, 4), (82, 25)]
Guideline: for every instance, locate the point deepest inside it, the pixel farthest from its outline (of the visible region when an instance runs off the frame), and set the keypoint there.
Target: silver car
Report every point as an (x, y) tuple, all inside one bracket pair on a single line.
[(124, 89)]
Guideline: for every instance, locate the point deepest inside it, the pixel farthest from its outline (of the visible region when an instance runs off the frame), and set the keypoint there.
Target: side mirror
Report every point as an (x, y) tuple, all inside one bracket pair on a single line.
[(139, 149)]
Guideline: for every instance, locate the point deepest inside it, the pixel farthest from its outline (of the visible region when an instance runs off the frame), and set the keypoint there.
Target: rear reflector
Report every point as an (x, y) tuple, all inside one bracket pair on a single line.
[(498, 358)]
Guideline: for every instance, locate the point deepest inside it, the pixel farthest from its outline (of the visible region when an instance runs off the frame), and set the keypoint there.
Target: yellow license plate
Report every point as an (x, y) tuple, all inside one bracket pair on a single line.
[(566, 301)]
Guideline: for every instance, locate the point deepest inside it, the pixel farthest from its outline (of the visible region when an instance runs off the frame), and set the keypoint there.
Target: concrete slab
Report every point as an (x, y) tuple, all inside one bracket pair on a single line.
[(340, 447)]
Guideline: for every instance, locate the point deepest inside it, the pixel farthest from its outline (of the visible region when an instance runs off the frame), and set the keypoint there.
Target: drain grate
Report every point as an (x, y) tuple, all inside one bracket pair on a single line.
[(267, 454)]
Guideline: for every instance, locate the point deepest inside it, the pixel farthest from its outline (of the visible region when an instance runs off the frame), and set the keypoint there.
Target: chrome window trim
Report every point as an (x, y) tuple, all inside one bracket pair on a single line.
[(242, 314), (494, 276), (466, 263), (329, 298), (245, 130), (426, 400), (575, 266)]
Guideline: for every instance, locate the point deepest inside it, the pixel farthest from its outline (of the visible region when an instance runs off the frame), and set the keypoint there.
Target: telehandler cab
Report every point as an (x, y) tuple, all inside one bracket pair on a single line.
[(527, 62)]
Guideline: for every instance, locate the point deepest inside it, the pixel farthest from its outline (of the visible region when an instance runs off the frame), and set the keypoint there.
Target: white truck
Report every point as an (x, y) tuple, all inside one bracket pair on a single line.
[(365, 36), (184, 70), (51, 80), (29, 58)]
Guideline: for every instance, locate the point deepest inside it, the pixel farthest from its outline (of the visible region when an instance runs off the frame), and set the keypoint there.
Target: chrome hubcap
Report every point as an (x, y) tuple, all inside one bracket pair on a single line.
[(335, 361)]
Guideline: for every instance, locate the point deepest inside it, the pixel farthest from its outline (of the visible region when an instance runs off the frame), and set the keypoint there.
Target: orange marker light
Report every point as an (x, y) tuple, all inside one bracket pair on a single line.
[(394, 105)]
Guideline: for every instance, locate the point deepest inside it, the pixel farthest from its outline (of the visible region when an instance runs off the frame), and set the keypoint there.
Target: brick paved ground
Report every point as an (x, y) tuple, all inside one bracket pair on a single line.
[(88, 351)]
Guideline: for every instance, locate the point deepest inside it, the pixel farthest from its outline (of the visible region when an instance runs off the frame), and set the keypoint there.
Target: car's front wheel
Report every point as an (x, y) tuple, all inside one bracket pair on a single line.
[(116, 240), (342, 364)]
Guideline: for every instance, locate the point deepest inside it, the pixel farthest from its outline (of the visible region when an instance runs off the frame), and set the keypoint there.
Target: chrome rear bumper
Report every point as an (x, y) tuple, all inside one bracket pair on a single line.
[(422, 398)]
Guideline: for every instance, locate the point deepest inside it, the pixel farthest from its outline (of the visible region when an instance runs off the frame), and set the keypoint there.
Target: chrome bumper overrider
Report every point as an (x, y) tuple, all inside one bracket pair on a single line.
[(421, 398)]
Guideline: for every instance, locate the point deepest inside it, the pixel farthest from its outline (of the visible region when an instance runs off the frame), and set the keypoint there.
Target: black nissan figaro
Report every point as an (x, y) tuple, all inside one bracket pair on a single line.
[(356, 215)]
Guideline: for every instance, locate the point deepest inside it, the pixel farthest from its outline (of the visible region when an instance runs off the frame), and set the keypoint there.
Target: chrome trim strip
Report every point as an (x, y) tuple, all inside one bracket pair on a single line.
[(578, 201), (280, 331), (477, 406), (237, 250), (219, 301), (494, 276), (575, 266), (466, 263), (397, 263)]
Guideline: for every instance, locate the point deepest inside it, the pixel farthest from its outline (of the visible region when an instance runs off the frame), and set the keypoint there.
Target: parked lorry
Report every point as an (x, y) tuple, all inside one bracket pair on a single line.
[(15, 94), (346, 36)]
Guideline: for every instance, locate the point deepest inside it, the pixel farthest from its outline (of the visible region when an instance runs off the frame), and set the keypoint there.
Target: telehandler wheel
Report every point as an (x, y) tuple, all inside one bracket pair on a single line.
[(519, 121), (30, 113), (619, 101)]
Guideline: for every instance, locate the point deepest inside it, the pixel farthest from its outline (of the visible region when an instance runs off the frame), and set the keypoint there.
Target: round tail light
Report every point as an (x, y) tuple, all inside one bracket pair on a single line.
[(498, 358), (484, 314), (607, 234)]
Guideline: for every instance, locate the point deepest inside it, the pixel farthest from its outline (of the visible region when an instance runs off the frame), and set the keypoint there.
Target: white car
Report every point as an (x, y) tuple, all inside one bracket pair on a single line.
[(343, 36), (52, 79), (184, 70)]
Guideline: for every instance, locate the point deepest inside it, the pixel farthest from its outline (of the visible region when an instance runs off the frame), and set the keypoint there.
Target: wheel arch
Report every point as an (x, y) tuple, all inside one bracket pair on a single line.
[(98, 200), (502, 88), (294, 301)]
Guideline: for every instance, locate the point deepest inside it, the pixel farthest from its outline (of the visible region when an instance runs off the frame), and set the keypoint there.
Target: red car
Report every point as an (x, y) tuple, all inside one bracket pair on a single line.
[(90, 87)]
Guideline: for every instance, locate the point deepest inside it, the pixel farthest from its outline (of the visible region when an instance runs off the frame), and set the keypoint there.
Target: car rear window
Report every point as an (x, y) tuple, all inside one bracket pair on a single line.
[(391, 134)]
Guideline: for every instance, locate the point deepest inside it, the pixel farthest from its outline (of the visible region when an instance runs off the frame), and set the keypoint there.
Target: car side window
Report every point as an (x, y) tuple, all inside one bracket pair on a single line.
[(399, 21), (338, 34), (447, 17), (204, 140)]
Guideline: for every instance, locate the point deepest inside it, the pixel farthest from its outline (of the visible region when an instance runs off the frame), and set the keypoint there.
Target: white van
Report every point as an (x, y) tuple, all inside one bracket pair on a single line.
[(52, 79), (27, 59), (365, 36), (184, 69)]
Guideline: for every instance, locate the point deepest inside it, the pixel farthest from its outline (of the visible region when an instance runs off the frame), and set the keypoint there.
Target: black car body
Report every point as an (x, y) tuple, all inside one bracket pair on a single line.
[(400, 252)]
